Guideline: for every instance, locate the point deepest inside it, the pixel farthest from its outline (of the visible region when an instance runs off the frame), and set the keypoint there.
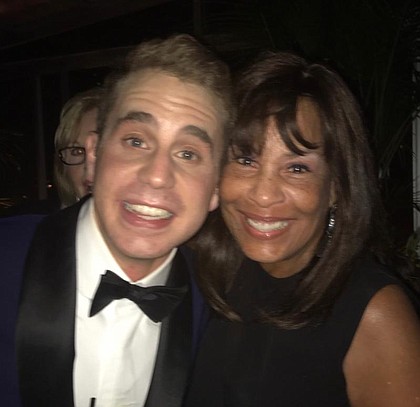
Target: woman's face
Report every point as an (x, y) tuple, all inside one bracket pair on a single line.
[(276, 203), (77, 173)]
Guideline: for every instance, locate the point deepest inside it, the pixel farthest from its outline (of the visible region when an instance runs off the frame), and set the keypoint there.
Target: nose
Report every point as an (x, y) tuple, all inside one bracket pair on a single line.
[(267, 190), (158, 171)]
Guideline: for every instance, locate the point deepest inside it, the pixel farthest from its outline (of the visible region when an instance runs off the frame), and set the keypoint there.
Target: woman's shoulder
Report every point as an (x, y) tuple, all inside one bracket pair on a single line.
[(382, 363), (382, 366), (369, 276)]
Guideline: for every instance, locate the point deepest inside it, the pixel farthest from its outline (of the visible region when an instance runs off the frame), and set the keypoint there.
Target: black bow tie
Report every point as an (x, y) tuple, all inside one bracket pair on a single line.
[(156, 302)]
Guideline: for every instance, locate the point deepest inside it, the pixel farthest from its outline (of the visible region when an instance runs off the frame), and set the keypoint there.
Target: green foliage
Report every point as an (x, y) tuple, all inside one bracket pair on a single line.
[(412, 249)]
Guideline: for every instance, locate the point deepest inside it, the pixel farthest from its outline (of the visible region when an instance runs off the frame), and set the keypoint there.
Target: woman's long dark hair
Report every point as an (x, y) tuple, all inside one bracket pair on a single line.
[(273, 86)]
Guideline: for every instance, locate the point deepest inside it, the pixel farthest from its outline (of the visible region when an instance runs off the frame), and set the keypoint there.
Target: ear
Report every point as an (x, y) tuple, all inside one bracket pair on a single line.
[(91, 145), (214, 200)]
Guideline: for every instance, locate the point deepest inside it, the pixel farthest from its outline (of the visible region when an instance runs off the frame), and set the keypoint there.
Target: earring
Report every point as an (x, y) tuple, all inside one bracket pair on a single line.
[(331, 222)]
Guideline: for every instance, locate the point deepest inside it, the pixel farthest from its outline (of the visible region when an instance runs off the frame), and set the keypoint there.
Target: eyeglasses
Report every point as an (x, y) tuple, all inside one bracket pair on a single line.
[(72, 155)]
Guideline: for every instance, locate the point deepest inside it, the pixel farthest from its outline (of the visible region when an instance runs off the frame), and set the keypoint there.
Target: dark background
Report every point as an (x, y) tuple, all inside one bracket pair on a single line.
[(51, 49)]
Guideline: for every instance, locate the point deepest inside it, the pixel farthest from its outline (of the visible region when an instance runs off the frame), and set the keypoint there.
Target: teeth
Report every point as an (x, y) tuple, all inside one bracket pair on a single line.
[(266, 226), (148, 212)]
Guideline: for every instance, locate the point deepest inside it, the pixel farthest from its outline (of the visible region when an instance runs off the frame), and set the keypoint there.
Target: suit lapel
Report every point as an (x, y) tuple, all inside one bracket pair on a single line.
[(45, 328), (174, 358)]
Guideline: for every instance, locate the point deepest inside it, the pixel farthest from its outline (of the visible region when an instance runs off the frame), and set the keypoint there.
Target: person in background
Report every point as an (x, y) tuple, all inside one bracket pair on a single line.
[(108, 313), (77, 120), (312, 308)]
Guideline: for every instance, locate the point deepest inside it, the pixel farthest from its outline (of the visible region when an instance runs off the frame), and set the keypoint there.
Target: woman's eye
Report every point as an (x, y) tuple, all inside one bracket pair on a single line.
[(246, 161), (298, 169), (76, 151), (135, 142)]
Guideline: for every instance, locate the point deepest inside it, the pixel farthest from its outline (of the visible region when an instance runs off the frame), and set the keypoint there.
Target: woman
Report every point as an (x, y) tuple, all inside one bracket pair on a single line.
[(308, 314), (77, 120)]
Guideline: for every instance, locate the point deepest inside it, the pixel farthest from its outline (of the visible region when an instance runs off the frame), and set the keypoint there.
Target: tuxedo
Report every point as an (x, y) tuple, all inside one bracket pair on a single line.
[(46, 322)]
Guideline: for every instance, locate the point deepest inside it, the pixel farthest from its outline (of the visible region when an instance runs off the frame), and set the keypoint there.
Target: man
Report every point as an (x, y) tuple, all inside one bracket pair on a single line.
[(155, 165)]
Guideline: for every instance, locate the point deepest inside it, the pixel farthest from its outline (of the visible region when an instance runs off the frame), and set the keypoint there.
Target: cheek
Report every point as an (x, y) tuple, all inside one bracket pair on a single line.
[(231, 189), (75, 172), (110, 168), (312, 198)]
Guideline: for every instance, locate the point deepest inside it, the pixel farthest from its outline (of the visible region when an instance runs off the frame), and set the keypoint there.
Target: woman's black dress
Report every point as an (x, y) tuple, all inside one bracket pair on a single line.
[(254, 364)]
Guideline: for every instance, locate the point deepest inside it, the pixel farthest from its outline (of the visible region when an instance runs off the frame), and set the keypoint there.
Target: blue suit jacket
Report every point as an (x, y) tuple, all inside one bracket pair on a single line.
[(15, 235)]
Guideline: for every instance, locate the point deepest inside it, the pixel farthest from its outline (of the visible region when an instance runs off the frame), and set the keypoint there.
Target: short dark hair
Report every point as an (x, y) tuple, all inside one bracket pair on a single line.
[(179, 55), (273, 87)]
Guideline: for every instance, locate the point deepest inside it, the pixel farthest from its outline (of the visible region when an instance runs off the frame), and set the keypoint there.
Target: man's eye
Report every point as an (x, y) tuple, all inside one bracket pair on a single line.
[(187, 155), (298, 169)]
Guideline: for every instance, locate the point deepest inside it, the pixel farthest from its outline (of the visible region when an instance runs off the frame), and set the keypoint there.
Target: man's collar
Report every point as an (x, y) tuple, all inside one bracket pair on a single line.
[(94, 258)]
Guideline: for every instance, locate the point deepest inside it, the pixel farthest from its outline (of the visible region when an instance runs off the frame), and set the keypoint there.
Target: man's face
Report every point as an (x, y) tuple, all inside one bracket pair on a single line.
[(156, 168)]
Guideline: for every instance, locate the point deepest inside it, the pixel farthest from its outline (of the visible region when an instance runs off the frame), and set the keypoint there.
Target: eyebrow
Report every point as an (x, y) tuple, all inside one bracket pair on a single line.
[(199, 133), (143, 117)]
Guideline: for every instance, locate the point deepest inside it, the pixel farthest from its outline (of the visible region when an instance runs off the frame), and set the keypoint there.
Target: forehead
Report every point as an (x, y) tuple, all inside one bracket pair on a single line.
[(308, 121), (300, 130), (88, 118), (161, 94), (86, 124)]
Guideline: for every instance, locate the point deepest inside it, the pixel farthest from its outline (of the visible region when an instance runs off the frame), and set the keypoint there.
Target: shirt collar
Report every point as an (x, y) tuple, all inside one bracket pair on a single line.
[(94, 258)]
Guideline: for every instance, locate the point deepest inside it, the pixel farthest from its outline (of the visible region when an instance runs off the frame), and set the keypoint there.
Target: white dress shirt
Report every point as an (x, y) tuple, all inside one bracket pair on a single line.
[(116, 348)]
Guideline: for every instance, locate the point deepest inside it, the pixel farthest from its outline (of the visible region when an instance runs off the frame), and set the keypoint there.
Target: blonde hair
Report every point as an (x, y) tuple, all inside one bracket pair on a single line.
[(66, 135)]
